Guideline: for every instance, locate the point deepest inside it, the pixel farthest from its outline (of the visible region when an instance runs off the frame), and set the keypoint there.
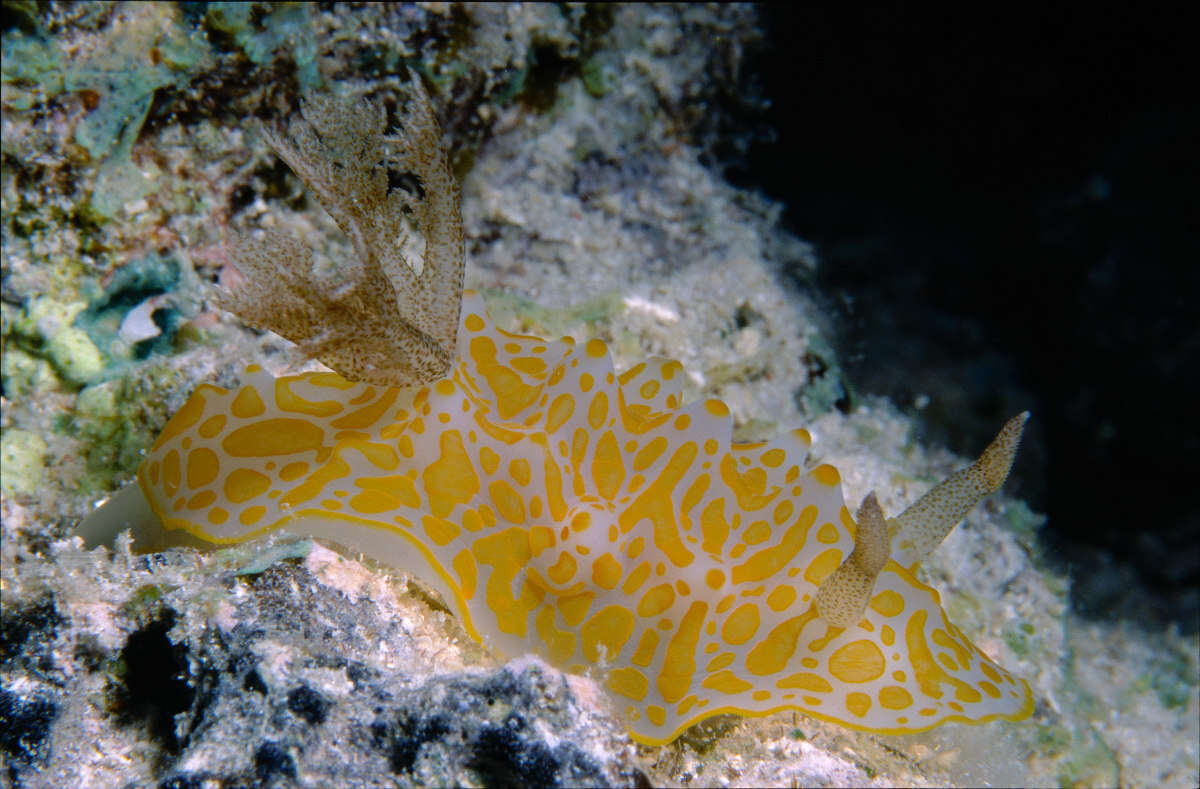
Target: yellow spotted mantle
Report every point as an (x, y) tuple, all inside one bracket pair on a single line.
[(588, 516)]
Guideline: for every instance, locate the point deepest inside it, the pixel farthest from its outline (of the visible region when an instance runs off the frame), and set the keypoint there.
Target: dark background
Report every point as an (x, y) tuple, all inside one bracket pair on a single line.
[(1005, 209)]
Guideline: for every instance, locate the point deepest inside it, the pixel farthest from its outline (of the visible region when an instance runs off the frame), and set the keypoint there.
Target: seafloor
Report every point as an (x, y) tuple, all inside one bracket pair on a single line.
[(581, 135)]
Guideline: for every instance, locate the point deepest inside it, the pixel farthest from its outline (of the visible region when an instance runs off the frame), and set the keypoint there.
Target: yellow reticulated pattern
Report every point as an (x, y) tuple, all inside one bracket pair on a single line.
[(592, 518)]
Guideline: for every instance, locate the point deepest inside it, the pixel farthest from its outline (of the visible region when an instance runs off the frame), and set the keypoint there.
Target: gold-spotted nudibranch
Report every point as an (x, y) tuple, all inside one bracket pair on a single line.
[(592, 517)]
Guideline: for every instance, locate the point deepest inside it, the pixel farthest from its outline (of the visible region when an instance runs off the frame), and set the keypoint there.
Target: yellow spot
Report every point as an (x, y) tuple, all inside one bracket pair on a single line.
[(741, 625), (598, 410), (781, 597), (649, 453), (450, 479), (888, 603), (559, 412), (887, 635), (656, 600), (649, 389), (217, 516), (756, 533), (828, 475), (679, 664), (656, 714), (647, 645), (636, 578), (293, 471), (628, 682), (804, 680), (771, 654), (243, 484), (575, 607), (761, 695), (272, 437), (440, 530), (373, 502), (519, 470), (828, 534), (607, 630), (858, 661), (247, 404), (714, 578), (726, 682), (252, 515), (773, 458), (202, 467), (489, 460), (606, 571), (474, 322), (858, 703), (201, 500), (596, 348), (895, 698), (212, 426), (716, 407), (783, 511), (608, 471), (563, 570), (507, 501), (822, 565)]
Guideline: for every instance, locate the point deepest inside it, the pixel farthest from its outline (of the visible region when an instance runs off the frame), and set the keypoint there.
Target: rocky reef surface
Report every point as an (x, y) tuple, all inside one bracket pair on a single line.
[(585, 138)]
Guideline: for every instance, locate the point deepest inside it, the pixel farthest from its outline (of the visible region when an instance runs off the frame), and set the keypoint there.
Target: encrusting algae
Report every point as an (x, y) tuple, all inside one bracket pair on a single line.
[(557, 506)]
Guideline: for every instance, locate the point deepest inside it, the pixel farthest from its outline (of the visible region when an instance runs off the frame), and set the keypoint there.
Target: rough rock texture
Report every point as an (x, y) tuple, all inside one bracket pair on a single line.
[(208, 671)]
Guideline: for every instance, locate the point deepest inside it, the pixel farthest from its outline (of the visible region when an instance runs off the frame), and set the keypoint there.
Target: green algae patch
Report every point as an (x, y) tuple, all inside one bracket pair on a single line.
[(22, 454), (117, 421), (117, 79)]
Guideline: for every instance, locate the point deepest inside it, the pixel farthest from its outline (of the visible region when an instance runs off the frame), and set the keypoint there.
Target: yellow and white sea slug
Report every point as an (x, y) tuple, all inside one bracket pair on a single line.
[(592, 517)]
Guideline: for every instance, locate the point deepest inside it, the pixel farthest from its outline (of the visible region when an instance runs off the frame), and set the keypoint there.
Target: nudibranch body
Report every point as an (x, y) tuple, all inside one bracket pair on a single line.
[(591, 517), (556, 506)]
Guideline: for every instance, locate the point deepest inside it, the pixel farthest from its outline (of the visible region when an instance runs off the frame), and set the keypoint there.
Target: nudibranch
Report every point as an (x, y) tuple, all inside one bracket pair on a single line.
[(591, 516)]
